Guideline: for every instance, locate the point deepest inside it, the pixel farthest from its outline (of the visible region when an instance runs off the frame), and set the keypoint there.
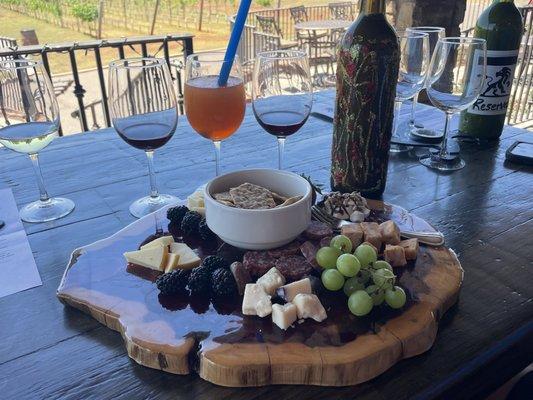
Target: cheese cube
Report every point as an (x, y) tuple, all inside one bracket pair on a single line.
[(410, 247), (354, 232), (153, 258), (188, 259), (284, 315), (256, 301), (394, 255), (372, 234), (289, 291), (390, 233), (309, 306), (196, 199), (162, 241), (271, 280)]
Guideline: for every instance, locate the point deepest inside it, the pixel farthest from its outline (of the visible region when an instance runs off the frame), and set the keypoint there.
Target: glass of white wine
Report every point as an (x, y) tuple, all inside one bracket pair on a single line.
[(29, 121)]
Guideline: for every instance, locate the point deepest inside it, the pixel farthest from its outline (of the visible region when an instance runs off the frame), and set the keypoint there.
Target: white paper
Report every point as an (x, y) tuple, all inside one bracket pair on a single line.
[(18, 270)]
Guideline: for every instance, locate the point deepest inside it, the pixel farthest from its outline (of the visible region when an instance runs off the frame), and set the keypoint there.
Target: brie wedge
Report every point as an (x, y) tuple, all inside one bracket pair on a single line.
[(153, 258), (188, 259)]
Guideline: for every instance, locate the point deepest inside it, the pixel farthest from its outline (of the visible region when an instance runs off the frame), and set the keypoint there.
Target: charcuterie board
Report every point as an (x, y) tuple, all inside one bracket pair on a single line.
[(182, 335)]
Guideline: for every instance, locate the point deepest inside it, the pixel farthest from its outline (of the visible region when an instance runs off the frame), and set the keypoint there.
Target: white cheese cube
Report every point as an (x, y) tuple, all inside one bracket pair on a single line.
[(256, 301), (309, 306), (284, 315), (271, 280), (289, 291)]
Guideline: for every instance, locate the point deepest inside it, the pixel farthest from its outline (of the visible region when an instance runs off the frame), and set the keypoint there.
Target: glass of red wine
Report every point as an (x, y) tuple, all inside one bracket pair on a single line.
[(282, 93), (142, 104)]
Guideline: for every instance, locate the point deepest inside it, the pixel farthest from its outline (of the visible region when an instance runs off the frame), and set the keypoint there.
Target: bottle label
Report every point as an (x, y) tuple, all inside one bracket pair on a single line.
[(494, 97)]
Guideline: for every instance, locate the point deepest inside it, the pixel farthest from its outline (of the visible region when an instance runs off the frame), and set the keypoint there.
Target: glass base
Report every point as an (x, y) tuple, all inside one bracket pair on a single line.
[(399, 148), (149, 204), (44, 211), (453, 163)]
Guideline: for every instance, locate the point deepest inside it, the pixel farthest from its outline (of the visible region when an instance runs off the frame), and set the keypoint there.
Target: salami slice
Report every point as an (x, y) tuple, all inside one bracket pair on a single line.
[(293, 268), (325, 241), (317, 230), (290, 249), (257, 263)]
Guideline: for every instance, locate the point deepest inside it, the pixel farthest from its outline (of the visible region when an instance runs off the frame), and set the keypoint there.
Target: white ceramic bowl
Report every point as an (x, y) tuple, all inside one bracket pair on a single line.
[(259, 229)]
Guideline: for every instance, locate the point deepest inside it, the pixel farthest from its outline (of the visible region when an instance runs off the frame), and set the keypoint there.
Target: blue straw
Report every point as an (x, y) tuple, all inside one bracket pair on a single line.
[(238, 26)]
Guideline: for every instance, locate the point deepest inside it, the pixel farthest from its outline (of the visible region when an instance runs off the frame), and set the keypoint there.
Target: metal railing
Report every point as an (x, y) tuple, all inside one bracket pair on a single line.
[(138, 44)]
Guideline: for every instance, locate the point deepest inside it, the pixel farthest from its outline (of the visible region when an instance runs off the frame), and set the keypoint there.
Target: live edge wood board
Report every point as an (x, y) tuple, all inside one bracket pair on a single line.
[(184, 335)]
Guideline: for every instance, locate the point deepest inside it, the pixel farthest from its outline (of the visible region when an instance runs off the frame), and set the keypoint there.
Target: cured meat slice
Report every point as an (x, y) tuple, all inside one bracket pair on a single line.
[(318, 230), (257, 263), (293, 268)]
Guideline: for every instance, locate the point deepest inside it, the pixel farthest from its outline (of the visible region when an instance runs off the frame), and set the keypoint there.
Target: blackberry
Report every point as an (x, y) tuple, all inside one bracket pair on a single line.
[(204, 231), (200, 281), (223, 283), (214, 262), (189, 223), (175, 214), (173, 282)]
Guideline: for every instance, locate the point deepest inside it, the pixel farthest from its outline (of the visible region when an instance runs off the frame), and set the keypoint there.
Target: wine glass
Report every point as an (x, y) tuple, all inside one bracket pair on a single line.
[(434, 34), (142, 104), (454, 82), (214, 111), (282, 93), (29, 121), (414, 62)]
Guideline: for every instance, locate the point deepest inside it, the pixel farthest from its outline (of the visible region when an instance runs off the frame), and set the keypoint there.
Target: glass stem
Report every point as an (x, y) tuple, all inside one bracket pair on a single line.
[(153, 185), (281, 147), (43, 195), (444, 145), (413, 108), (397, 109), (217, 144)]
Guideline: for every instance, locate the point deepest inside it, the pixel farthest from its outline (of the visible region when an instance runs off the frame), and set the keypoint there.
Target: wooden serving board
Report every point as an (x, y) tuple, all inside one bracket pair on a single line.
[(181, 334)]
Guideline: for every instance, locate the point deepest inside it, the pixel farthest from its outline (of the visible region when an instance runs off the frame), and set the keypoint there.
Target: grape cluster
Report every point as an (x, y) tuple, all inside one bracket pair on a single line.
[(367, 281)]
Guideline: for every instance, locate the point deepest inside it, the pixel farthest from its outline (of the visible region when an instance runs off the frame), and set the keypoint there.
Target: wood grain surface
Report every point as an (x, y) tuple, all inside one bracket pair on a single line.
[(484, 211)]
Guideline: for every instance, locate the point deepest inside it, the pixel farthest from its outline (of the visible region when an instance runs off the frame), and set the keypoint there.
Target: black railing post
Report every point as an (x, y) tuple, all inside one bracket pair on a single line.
[(78, 88), (105, 105)]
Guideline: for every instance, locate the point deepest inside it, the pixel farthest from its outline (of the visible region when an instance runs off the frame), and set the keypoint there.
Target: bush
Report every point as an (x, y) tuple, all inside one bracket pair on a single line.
[(85, 12)]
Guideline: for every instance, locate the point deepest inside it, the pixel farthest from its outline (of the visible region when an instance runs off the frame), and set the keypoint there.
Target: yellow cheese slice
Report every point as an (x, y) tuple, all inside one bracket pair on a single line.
[(172, 262), (196, 200), (200, 210), (162, 241), (154, 257), (188, 258)]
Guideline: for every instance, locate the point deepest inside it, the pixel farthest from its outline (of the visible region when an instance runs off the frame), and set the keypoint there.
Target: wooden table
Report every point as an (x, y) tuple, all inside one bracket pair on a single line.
[(485, 210)]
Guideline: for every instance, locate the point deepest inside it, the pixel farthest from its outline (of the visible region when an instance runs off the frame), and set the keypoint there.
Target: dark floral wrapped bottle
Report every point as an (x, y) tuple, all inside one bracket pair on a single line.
[(367, 72)]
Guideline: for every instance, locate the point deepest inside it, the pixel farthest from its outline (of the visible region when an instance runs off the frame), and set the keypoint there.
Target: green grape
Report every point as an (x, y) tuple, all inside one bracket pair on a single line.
[(383, 278), (363, 276), (366, 255), (395, 297), (352, 285), (381, 264), (376, 293), (348, 265), (332, 279), (326, 257), (341, 242), (360, 303)]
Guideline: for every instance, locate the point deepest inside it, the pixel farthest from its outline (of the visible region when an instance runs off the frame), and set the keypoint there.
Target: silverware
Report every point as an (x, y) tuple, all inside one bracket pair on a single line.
[(429, 238)]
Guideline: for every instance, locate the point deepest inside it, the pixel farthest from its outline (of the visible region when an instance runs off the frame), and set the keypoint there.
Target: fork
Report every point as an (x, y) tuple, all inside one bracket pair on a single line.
[(429, 238)]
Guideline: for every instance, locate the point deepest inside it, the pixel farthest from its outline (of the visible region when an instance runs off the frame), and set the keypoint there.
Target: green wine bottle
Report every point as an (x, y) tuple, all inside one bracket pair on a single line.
[(502, 27), (367, 72)]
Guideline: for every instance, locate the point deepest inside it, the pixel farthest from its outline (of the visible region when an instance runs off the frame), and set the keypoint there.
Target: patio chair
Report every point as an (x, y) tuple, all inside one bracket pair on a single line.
[(322, 52), (270, 26), (299, 14), (342, 11)]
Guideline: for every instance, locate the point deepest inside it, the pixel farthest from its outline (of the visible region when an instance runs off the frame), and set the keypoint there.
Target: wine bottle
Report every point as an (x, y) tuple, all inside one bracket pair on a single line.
[(367, 72), (502, 27)]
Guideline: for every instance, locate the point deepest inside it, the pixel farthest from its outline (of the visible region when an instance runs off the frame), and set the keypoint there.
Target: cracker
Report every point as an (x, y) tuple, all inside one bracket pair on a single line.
[(223, 197), (289, 201), (251, 196)]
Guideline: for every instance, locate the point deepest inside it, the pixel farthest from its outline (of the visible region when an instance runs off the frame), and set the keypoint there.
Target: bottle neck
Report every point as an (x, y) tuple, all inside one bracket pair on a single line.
[(373, 7)]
